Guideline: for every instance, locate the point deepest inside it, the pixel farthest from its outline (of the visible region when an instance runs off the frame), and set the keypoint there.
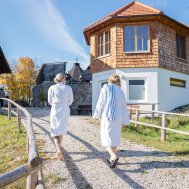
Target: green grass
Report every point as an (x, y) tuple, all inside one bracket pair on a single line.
[(177, 144), (13, 148)]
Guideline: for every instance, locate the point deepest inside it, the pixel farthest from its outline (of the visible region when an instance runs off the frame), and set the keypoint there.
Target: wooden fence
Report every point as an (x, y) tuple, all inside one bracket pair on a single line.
[(163, 115), (33, 168)]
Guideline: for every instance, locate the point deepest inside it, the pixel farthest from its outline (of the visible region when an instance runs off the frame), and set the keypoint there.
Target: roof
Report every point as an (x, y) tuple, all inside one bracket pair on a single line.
[(48, 71), (131, 10), (4, 66), (76, 72), (86, 75)]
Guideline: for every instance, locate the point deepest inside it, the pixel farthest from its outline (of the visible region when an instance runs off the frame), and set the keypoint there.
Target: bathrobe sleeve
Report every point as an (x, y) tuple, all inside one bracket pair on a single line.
[(70, 99), (125, 116), (100, 104), (50, 93)]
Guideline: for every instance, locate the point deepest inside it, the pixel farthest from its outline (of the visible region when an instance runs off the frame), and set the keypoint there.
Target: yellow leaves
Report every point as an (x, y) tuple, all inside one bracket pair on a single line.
[(25, 71), (19, 83)]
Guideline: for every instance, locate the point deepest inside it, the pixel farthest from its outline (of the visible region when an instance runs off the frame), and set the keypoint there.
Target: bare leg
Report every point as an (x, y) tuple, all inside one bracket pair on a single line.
[(61, 138), (112, 152), (58, 147)]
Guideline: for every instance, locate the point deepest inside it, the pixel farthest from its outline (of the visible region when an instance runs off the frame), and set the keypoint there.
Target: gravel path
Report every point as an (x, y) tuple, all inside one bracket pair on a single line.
[(85, 168)]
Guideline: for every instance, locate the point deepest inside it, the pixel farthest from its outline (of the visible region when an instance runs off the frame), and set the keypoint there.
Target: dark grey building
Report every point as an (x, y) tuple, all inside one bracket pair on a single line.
[(49, 71), (78, 79)]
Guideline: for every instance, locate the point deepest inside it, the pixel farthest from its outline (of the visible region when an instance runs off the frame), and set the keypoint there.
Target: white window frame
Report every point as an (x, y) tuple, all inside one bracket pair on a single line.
[(103, 45), (145, 86)]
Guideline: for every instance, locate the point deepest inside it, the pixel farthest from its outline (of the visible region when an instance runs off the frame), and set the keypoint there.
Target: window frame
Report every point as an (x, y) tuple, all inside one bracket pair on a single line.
[(103, 44), (145, 86), (179, 49), (179, 80), (136, 39)]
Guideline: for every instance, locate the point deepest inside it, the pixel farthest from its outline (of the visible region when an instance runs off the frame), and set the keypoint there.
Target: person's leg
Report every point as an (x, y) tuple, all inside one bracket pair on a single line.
[(114, 149), (61, 138), (58, 147), (112, 152), (113, 158)]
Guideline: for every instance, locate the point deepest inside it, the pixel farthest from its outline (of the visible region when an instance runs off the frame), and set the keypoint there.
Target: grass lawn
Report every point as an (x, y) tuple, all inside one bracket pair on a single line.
[(13, 148), (177, 144)]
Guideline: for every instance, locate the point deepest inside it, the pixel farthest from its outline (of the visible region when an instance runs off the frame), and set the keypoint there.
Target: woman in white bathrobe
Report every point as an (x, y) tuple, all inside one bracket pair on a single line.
[(60, 97), (111, 108)]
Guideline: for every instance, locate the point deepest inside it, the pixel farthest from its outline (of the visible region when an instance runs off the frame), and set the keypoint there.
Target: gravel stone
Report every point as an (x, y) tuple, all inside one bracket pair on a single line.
[(85, 167)]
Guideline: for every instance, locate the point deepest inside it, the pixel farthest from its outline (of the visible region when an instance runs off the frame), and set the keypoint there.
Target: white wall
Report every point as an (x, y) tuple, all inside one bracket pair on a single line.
[(97, 78), (169, 96), (149, 74)]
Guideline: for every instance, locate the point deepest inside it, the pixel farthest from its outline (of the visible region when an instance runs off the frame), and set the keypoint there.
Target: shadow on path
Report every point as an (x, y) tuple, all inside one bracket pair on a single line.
[(95, 153), (77, 177), (101, 155)]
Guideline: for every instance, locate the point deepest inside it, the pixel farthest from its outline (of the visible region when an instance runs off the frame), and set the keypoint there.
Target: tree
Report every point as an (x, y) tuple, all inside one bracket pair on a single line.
[(20, 82), (9, 80)]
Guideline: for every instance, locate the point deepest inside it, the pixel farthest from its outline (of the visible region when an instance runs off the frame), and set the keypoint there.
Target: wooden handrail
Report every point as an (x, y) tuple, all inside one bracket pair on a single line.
[(163, 124), (158, 112), (34, 165), (160, 127), (17, 173)]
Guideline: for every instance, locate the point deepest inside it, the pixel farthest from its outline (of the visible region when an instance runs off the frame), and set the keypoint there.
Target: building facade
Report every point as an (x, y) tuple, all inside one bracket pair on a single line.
[(148, 49), (78, 79)]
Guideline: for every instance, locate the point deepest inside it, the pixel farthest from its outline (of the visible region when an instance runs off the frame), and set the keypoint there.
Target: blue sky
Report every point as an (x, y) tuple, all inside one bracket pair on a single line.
[(52, 30)]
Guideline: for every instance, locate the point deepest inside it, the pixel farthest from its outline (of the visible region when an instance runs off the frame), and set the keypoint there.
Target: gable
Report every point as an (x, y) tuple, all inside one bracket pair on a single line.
[(132, 11), (136, 8)]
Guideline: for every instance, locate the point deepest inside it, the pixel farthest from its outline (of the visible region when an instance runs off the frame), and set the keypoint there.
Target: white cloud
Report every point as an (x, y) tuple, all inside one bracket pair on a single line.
[(49, 21)]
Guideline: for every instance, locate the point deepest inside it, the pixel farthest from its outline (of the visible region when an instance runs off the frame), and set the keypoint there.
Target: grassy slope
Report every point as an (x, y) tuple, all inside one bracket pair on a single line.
[(13, 148), (176, 143)]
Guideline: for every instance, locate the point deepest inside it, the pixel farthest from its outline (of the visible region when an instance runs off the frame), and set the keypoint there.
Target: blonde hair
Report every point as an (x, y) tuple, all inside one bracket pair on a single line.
[(60, 77), (115, 79)]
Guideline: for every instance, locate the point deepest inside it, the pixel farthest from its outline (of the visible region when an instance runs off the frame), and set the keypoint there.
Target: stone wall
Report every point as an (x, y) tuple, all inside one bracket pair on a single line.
[(40, 93), (82, 95)]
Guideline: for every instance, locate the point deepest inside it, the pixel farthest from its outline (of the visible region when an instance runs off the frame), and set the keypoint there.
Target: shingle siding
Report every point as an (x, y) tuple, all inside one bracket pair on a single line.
[(162, 50)]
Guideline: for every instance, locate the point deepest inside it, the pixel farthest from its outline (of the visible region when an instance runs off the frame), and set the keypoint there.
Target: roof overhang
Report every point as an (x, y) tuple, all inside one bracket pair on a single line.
[(164, 19), (4, 66)]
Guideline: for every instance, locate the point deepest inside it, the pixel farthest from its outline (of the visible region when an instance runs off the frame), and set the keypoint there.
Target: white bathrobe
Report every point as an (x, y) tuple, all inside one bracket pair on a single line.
[(60, 97), (111, 129)]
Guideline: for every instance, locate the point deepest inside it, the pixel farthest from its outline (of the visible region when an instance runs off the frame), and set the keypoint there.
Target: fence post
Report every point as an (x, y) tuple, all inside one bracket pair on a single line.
[(9, 110), (163, 131), (19, 120), (40, 184), (130, 114), (153, 109), (137, 117)]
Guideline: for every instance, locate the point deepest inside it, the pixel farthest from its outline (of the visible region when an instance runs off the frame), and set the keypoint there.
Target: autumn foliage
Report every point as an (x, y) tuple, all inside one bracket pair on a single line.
[(19, 83)]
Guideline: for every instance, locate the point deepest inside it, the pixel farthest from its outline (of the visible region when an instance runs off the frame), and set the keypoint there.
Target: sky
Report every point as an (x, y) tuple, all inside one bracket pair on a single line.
[(52, 30)]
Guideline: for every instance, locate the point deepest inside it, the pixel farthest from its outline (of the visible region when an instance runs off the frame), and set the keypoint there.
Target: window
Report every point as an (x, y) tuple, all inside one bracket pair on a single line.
[(104, 44), (136, 89), (181, 46), (103, 83), (177, 82), (136, 38)]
